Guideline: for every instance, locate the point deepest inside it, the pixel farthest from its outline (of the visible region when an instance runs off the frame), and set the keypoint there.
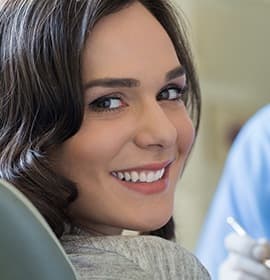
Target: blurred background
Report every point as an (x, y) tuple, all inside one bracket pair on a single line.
[(231, 42)]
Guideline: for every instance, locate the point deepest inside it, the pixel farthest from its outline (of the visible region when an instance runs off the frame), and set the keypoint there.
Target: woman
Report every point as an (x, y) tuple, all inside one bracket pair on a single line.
[(95, 129)]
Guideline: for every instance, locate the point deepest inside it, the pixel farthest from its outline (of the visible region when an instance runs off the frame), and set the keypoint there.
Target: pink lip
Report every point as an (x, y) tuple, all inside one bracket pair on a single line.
[(149, 188), (150, 167)]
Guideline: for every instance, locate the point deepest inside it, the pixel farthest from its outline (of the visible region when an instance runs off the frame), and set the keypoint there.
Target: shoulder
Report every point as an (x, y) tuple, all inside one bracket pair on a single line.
[(252, 145), (144, 257), (263, 114), (257, 127)]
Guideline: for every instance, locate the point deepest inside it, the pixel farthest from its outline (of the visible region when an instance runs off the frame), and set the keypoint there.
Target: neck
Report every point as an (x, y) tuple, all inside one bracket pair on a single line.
[(95, 231)]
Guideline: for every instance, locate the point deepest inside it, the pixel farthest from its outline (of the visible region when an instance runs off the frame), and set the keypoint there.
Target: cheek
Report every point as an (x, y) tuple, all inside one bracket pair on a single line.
[(95, 144), (107, 139), (186, 134)]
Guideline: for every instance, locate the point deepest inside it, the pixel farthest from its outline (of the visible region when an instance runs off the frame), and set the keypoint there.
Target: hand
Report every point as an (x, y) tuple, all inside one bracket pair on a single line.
[(246, 259)]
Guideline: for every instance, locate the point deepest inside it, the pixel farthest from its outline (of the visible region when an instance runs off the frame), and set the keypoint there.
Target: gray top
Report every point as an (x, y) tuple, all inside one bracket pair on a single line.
[(131, 258)]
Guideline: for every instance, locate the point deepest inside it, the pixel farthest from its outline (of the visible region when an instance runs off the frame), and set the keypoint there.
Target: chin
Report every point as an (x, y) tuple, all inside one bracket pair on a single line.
[(159, 225), (151, 224)]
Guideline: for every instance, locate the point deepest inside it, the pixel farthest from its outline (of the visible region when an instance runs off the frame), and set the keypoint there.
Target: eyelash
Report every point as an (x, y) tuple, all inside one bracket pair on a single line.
[(96, 105), (180, 93)]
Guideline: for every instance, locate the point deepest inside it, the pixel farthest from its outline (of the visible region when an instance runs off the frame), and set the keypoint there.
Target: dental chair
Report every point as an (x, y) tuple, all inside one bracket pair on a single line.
[(29, 250)]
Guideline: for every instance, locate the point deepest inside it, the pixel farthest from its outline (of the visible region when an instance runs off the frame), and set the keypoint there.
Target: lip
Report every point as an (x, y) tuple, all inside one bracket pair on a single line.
[(148, 188), (149, 167)]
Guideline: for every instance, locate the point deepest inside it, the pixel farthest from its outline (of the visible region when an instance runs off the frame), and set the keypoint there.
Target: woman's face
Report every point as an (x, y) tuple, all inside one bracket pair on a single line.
[(136, 133)]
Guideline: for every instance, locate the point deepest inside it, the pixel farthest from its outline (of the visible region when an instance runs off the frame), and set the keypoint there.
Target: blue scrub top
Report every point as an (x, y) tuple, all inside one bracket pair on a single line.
[(243, 192)]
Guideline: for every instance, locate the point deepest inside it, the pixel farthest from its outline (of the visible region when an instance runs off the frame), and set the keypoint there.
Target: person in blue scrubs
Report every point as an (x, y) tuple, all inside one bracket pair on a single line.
[(243, 193)]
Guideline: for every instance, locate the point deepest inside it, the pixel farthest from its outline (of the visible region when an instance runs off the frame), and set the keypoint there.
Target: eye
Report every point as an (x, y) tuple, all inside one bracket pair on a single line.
[(107, 103), (172, 93)]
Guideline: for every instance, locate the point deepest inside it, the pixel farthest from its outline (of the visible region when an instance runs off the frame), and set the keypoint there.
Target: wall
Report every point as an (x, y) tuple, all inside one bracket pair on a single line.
[(231, 40)]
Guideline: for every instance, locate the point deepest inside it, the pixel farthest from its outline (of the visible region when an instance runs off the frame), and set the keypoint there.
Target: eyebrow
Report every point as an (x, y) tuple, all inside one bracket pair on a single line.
[(175, 73), (113, 83), (130, 82)]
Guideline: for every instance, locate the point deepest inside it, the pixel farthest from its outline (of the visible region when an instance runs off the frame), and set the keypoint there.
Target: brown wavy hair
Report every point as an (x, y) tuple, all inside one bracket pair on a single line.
[(41, 98)]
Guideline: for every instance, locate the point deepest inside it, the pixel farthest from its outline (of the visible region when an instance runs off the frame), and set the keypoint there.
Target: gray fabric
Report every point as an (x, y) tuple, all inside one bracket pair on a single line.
[(131, 258)]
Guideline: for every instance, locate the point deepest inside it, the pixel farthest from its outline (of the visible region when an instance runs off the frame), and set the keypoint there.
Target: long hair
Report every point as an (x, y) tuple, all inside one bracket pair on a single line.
[(41, 95)]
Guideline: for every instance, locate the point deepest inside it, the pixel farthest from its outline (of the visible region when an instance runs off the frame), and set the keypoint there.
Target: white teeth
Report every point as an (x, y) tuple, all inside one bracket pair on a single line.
[(150, 177), (157, 175), (127, 176), (143, 176), (162, 171), (120, 175), (134, 176)]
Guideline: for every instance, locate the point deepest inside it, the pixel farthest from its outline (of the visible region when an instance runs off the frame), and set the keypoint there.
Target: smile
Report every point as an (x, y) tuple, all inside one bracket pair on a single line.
[(147, 179), (145, 176)]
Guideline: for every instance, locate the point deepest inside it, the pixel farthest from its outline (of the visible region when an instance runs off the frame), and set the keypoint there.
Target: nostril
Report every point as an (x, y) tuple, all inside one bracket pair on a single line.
[(156, 134)]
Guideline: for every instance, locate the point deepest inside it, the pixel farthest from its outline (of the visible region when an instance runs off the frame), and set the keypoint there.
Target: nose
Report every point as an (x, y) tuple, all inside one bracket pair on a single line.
[(155, 128)]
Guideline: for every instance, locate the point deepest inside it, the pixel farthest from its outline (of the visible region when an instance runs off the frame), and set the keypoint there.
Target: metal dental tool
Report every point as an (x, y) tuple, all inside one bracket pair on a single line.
[(236, 227), (240, 231)]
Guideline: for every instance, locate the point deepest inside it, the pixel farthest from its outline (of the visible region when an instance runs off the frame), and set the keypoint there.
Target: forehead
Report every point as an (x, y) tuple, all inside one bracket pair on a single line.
[(129, 42)]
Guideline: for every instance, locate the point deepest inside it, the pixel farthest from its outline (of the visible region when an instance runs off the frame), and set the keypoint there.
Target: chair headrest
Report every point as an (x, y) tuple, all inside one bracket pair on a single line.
[(28, 247)]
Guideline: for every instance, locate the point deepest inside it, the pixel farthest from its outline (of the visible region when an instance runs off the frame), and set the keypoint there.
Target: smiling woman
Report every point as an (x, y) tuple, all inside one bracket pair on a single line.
[(97, 102)]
